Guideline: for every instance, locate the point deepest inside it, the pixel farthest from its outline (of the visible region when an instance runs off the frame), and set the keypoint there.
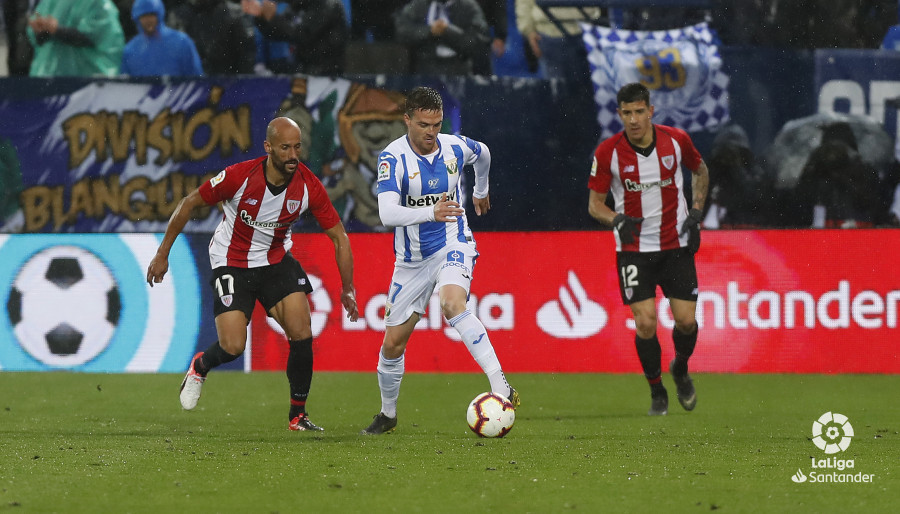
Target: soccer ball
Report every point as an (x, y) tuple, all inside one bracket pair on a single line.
[(64, 306), (491, 415)]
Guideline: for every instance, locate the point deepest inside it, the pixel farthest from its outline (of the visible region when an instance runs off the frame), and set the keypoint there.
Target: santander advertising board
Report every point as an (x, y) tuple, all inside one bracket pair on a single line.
[(806, 301)]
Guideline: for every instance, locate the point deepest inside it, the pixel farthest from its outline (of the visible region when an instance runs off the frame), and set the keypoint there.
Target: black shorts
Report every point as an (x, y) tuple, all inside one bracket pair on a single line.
[(641, 272), (238, 289)]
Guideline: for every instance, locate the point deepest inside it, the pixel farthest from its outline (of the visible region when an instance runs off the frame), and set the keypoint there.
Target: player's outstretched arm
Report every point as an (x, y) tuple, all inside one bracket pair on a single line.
[(343, 255), (159, 265)]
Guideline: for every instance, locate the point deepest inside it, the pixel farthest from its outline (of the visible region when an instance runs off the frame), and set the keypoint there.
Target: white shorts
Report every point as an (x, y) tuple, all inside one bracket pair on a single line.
[(413, 283)]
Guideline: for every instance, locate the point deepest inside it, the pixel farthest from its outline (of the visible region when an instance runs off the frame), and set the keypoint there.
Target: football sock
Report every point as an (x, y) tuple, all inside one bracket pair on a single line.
[(212, 357), (479, 345), (390, 374), (684, 348), (649, 353), (299, 373)]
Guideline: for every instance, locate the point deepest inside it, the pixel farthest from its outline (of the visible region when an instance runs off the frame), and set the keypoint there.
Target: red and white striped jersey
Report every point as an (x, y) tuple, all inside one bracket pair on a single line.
[(648, 187), (256, 228)]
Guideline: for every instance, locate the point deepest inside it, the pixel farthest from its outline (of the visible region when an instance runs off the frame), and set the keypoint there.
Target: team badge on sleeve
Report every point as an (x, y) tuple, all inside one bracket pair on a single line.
[(217, 179), (594, 167)]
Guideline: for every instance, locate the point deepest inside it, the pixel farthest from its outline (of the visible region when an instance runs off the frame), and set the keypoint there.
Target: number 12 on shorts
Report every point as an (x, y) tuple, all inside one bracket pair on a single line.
[(629, 275)]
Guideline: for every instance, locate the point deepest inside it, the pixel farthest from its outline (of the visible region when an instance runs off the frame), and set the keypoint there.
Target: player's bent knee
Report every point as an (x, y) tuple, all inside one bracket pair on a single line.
[(297, 329), (687, 325), (645, 326), (452, 310), (233, 347)]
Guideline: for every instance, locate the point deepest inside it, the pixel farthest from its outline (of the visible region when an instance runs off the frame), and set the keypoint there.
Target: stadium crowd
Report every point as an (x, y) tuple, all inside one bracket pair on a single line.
[(233, 36), (46, 38)]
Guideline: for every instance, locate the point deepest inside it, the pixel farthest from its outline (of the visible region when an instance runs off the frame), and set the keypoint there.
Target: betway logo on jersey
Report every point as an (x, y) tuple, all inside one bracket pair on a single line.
[(247, 219), (428, 200), (631, 185)]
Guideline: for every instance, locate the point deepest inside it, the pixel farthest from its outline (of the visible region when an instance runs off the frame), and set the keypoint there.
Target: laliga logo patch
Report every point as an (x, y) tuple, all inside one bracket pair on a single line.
[(217, 179), (668, 161), (832, 432), (594, 167), (293, 205), (384, 170)]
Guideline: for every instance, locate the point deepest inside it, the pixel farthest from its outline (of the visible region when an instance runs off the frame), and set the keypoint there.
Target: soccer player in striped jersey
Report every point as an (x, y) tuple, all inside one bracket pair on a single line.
[(419, 191), (251, 259), (657, 233)]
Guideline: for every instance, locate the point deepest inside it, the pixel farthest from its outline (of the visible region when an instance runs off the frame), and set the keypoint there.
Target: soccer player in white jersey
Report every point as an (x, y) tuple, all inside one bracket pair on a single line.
[(656, 232), (250, 254), (419, 193)]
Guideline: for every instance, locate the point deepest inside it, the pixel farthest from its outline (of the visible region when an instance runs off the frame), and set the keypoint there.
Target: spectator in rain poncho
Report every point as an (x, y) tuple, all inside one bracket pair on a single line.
[(72, 38), (158, 50)]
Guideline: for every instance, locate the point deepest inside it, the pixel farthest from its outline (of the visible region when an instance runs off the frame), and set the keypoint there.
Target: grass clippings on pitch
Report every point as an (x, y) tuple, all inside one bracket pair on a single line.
[(582, 442)]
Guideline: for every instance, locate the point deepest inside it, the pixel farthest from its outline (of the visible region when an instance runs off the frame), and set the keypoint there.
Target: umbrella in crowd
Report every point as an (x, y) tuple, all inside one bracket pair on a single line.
[(798, 138)]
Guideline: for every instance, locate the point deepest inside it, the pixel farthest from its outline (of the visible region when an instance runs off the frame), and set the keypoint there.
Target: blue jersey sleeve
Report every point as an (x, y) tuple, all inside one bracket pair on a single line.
[(387, 173), (474, 148)]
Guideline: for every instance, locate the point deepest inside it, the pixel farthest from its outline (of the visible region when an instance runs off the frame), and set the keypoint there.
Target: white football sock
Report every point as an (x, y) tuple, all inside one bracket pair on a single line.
[(390, 373), (479, 345)]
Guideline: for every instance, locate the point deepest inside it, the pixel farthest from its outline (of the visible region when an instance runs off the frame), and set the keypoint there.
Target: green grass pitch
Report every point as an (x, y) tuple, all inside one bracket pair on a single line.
[(582, 443)]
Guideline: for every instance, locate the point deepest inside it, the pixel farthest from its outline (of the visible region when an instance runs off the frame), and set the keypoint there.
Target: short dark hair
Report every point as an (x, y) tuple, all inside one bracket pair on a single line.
[(634, 92), (424, 98)]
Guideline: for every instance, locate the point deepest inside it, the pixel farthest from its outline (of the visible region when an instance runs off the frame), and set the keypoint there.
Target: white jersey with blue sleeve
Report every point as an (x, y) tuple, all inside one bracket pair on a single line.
[(418, 182)]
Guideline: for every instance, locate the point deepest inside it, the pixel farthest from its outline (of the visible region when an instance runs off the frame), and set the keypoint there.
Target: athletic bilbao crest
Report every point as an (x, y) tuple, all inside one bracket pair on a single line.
[(226, 300), (668, 161), (293, 205)]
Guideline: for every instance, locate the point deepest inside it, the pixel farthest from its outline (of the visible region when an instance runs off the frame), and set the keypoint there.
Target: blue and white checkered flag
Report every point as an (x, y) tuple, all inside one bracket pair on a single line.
[(681, 67)]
